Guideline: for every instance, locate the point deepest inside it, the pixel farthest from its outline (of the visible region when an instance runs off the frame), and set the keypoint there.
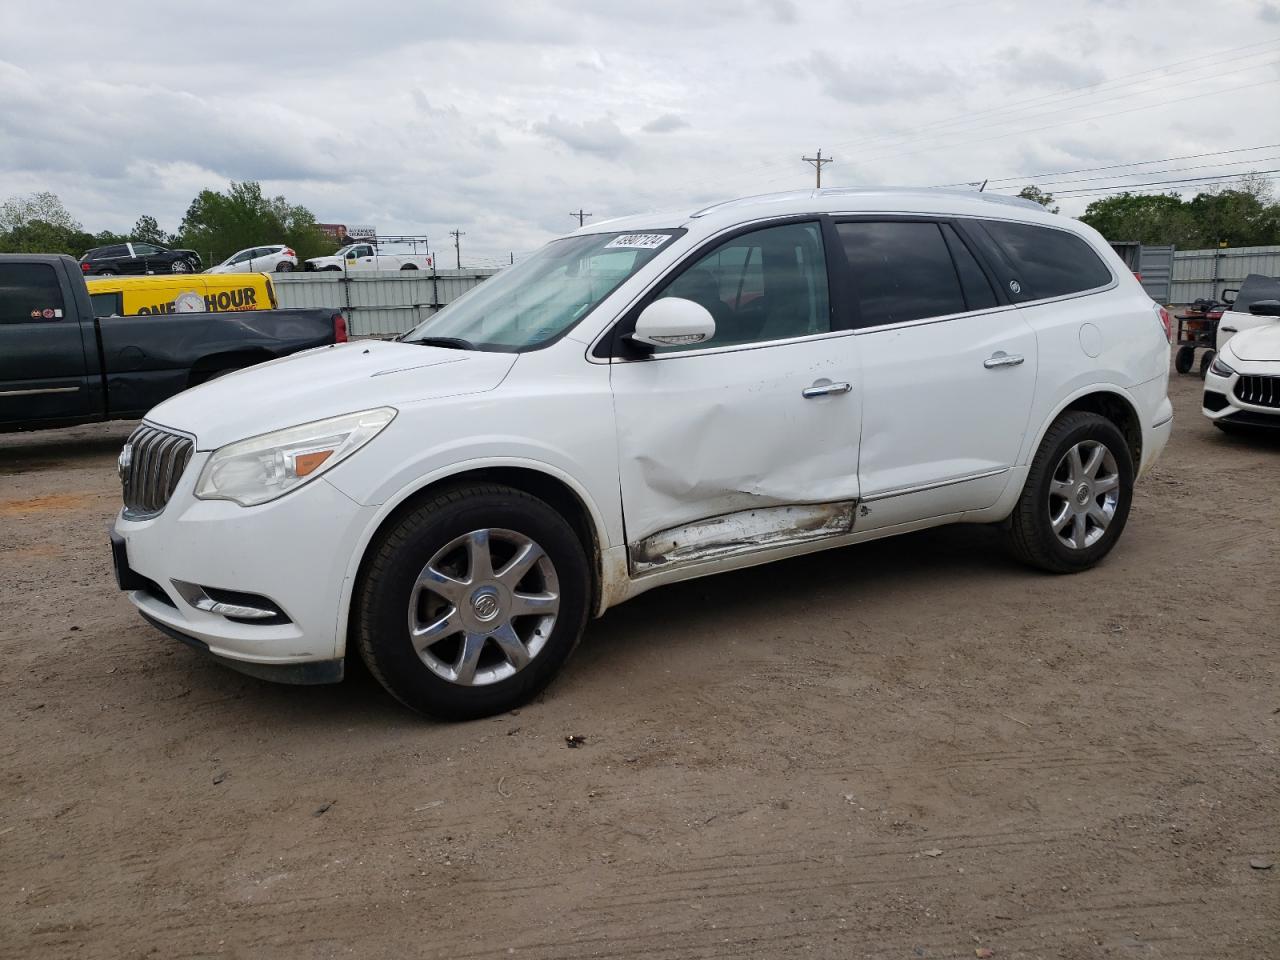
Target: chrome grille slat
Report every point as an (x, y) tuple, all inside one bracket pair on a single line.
[(156, 461), (1259, 391)]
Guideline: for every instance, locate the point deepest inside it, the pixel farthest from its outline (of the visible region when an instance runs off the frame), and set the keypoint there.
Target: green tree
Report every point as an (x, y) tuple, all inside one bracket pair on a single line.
[(1146, 218), (1032, 192), (218, 224), (147, 230)]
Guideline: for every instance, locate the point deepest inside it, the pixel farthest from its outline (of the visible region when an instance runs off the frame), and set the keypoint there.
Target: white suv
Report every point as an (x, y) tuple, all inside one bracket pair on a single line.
[(644, 401), (276, 258)]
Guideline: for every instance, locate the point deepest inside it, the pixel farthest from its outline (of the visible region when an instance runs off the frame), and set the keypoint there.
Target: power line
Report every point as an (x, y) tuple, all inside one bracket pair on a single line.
[(818, 162), (1225, 178), (581, 217), (1023, 177), (457, 246)]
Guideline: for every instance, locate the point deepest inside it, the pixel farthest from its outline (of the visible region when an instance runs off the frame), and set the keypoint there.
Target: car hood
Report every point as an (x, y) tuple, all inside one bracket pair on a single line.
[(1260, 343), (326, 382)]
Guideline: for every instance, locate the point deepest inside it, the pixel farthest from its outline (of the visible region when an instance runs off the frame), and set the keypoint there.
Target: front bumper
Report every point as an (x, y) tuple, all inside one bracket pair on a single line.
[(1221, 404), (294, 551)]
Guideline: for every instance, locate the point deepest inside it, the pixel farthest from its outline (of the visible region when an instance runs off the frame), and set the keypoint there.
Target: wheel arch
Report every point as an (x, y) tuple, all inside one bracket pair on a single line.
[(558, 490), (1107, 401)]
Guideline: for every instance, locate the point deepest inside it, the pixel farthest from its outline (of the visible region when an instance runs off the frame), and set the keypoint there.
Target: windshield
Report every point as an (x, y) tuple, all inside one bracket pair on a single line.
[(544, 296)]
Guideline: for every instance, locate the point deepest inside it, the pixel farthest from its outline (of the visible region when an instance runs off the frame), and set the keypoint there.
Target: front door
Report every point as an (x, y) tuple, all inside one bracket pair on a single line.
[(42, 361), (948, 372), (750, 440)]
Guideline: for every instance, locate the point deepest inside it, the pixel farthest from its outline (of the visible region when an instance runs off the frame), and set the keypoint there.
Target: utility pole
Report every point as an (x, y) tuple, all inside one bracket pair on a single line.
[(817, 162), (580, 216), (457, 246)]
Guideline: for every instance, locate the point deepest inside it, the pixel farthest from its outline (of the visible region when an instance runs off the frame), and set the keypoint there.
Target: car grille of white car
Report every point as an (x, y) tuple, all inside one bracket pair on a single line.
[(151, 465), (1260, 391)]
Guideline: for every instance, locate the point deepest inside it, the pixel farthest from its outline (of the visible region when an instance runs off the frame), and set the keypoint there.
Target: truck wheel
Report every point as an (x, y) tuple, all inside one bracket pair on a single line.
[(470, 603), (1076, 499), (334, 269), (1184, 359), (408, 266), (180, 266)]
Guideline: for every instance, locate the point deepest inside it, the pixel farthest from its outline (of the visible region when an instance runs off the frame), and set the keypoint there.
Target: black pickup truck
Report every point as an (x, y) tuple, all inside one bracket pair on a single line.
[(60, 365)]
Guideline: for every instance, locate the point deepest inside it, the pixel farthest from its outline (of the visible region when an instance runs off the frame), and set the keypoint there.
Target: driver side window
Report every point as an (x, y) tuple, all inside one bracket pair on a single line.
[(770, 284)]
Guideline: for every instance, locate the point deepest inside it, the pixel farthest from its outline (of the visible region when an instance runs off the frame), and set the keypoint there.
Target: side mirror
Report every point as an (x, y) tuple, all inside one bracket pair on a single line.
[(672, 321), (351, 256), (1265, 308)]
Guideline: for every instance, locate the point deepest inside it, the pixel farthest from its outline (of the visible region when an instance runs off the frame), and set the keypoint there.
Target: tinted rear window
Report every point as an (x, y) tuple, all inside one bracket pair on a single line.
[(901, 271), (29, 293), (1048, 262)]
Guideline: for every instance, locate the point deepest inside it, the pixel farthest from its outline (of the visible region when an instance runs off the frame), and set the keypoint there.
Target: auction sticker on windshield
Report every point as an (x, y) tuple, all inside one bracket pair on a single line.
[(638, 241)]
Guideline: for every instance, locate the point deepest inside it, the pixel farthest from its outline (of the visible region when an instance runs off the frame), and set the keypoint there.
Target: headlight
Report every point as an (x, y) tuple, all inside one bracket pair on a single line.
[(1220, 367), (262, 468)]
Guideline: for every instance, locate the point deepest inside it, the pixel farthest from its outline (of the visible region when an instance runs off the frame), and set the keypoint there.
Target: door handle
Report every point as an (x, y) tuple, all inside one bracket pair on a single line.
[(1002, 359), (827, 389)]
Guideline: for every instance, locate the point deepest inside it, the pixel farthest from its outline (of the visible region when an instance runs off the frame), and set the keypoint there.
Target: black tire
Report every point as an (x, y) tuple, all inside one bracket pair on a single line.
[(1031, 534), (284, 266), (408, 266), (1206, 359), (182, 266), (108, 273), (1184, 359), (380, 627), (327, 269)]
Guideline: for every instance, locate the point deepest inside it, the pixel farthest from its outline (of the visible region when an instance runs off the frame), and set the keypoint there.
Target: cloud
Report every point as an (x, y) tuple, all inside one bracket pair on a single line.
[(1269, 13), (665, 123), (601, 138), (1040, 68), (783, 11), (880, 81)]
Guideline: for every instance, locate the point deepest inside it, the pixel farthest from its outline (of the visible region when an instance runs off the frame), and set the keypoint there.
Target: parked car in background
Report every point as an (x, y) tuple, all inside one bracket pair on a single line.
[(644, 401), (61, 365), (366, 256), (186, 293), (138, 258), (1239, 315), (275, 258), (1242, 383)]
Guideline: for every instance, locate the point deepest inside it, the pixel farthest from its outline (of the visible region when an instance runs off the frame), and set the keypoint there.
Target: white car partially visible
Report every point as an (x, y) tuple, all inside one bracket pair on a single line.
[(276, 258), (1242, 384)]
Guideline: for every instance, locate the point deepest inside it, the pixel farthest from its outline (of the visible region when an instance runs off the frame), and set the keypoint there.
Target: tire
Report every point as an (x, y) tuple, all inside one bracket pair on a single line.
[(1206, 359), (284, 266), (408, 266), (108, 273), (1184, 359), (334, 269), (442, 534), (181, 266), (1032, 534)]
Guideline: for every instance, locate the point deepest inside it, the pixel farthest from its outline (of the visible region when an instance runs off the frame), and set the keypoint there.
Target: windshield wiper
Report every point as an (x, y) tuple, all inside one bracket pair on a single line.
[(451, 343)]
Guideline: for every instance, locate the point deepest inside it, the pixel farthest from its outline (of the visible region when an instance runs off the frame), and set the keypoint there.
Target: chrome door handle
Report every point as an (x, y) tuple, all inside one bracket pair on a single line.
[(825, 390), (1002, 359)]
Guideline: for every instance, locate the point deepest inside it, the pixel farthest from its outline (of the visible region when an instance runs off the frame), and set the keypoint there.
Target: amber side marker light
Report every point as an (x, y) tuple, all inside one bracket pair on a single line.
[(306, 464)]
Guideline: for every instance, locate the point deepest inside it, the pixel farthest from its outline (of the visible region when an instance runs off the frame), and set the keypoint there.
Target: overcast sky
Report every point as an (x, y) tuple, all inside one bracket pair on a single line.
[(500, 118)]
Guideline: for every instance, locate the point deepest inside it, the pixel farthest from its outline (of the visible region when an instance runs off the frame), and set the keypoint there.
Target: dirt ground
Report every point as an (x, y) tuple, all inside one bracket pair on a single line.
[(914, 748)]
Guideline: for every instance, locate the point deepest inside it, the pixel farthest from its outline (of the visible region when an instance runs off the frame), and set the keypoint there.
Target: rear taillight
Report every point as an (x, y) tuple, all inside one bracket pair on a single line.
[(339, 328), (1166, 321), (288, 253), (84, 268)]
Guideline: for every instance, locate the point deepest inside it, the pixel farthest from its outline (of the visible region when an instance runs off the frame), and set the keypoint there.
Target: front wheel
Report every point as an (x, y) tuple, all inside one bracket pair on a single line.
[(1076, 499), (471, 602), (181, 266)]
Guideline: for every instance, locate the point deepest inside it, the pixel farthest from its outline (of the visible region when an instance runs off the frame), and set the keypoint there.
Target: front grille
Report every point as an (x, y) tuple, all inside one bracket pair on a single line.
[(1260, 391), (151, 465)]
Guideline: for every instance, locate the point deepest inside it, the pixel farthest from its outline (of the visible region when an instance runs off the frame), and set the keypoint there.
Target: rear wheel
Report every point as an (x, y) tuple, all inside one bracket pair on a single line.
[(284, 266), (1076, 499), (108, 273), (1184, 359), (471, 602), (408, 266)]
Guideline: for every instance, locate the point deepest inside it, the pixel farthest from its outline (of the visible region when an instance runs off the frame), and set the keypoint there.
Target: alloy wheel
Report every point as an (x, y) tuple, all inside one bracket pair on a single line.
[(1083, 494), (483, 607)]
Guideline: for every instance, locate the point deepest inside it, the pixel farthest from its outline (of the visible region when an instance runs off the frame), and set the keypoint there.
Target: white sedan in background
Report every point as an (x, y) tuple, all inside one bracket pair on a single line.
[(1242, 384), (274, 258)]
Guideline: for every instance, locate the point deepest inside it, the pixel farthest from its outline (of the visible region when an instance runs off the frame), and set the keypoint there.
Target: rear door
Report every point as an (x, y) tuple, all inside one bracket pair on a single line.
[(43, 368), (948, 371)]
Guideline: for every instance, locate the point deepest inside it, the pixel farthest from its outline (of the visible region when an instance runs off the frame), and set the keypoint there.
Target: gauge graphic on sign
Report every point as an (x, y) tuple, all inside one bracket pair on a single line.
[(188, 302)]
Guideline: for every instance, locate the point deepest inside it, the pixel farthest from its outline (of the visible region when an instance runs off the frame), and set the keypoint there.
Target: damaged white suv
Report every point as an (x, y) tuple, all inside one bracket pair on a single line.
[(645, 401)]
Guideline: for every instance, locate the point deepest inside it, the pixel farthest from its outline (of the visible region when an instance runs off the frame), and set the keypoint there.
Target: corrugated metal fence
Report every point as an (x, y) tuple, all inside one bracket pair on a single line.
[(1206, 273), (378, 303)]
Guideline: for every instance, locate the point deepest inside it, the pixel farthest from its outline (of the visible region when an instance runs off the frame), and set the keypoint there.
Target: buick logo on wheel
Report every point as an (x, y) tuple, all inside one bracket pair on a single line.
[(125, 461), (485, 606)]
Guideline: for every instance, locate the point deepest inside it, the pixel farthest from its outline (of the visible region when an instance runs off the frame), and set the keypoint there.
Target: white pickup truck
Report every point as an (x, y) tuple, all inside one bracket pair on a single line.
[(365, 256)]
